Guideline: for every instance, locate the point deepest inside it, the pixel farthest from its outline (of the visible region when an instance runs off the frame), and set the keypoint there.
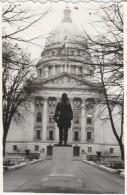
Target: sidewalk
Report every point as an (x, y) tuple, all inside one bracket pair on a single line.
[(95, 181)]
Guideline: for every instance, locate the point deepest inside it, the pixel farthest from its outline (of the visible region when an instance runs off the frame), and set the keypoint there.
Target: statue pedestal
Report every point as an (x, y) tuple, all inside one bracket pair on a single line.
[(62, 173)]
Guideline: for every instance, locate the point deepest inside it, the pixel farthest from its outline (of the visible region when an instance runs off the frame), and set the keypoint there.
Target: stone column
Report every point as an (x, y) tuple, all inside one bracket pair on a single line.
[(45, 119), (32, 120), (61, 68), (70, 130), (46, 71), (69, 69), (54, 70), (56, 133), (83, 120), (56, 128), (76, 69)]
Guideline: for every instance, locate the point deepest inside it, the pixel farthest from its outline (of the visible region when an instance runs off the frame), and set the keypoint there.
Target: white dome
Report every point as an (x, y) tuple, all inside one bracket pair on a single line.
[(62, 48), (65, 30)]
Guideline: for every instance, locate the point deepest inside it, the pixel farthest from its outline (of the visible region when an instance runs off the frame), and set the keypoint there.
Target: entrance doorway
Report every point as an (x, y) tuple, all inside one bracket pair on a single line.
[(76, 151), (49, 150)]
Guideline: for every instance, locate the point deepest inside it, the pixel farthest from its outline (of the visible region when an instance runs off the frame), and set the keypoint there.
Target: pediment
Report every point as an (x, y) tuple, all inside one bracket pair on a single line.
[(65, 80)]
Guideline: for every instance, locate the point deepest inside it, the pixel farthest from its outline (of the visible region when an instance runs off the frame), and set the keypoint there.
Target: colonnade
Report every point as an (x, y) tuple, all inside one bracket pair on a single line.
[(51, 71)]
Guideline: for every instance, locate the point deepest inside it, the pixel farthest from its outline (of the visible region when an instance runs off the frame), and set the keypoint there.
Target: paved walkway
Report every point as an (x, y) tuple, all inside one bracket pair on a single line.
[(95, 181)]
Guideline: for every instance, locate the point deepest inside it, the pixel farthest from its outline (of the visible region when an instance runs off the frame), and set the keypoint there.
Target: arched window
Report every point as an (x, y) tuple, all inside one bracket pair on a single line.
[(39, 117), (38, 134), (89, 119), (76, 136), (89, 135), (50, 135)]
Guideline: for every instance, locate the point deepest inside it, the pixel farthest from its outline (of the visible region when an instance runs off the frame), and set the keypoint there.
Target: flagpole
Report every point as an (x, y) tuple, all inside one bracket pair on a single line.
[(66, 55)]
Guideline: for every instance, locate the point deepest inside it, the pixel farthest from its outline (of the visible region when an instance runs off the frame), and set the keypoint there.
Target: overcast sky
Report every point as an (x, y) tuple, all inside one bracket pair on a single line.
[(82, 16)]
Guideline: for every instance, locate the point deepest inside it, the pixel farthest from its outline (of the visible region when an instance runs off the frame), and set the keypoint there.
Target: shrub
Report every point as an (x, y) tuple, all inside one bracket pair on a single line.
[(34, 156), (91, 157), (116, 165)]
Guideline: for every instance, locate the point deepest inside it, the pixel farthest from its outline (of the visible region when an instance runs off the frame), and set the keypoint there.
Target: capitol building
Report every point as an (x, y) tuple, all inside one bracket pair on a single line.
[(65, 67)]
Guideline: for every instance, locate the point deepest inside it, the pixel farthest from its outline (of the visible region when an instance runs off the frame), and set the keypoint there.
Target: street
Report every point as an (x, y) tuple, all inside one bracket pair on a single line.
[(95, 181)]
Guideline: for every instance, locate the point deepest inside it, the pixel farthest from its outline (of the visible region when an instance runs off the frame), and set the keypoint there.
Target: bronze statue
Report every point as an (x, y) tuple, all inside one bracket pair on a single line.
[(63, 116)]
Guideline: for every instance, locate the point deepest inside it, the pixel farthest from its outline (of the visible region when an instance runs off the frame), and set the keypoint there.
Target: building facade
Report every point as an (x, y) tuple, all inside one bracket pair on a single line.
[(65, 67)]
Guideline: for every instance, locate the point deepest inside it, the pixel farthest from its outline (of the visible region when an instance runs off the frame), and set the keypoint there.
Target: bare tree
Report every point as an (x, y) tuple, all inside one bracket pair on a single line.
[(17, 19), (106, 49), (19, 78), (18, 85)]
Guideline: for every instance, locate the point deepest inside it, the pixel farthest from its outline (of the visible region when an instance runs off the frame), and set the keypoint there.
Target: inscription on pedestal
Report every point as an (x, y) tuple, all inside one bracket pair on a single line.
[(62, 159)]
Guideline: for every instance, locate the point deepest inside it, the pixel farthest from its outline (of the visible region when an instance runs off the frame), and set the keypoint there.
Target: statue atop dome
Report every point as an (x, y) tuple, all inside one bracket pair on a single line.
[(67, 13)]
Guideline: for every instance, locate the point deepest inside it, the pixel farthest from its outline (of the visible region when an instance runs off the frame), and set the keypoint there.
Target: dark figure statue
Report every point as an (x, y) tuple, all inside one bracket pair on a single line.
[(63, 116)]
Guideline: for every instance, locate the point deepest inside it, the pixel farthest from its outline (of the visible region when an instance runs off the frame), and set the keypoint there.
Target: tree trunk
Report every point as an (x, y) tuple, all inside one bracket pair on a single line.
[(4, 140), (5, 129), (122, 150), (119, 139)]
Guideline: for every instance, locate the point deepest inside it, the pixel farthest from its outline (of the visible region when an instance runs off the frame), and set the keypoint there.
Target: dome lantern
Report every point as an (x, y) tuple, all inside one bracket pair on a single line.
[(67, 13)]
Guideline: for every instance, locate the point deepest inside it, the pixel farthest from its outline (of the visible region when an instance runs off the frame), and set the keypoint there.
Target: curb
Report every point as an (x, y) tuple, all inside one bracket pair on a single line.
[(16, 166), (35, 161), (21, 165), (102, 167), (89, 162), (108, 169), (122, 174)]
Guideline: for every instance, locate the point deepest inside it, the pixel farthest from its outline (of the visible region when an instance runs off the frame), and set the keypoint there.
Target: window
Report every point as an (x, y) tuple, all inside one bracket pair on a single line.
[(58, 69), (39, 117), (88, 55), (53, 53), (51, 117), (38, 134), (39, 102), (89, 149), (89, 120), (89, 135), (39, 72), (91, 72), (50, 71), (14, 147), (90, 101), (36, 148), (111, 150), (72, 53), (52, 102), (76, 118), (80, 70), (50, 135), (78, 53), (77, 103), (76, 133), (73, 70)]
